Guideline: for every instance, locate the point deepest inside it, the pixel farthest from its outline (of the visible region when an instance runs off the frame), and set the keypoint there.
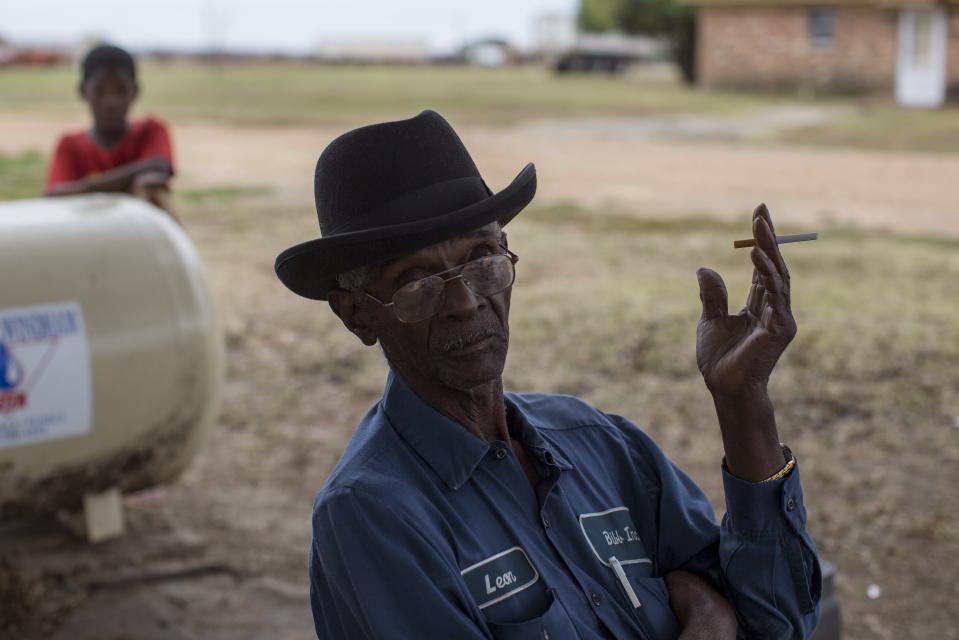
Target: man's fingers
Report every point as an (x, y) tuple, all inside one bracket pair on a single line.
[(765, 238), (754, 301), (776, 315), (771, 247), (712, 291), (755, 297), (753, 345), (764, 266), (767, 316), (762, 211), (771, 279)]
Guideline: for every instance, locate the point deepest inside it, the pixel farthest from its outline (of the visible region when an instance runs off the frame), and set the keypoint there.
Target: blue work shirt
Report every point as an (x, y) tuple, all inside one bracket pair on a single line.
[(424, 530)]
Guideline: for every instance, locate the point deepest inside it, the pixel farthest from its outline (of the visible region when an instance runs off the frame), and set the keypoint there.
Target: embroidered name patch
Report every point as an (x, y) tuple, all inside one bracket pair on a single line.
[(613, 533), (500, 576)]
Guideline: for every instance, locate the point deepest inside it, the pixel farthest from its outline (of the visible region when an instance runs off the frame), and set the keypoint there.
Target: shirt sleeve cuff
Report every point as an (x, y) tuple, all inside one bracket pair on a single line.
[(765, 509)]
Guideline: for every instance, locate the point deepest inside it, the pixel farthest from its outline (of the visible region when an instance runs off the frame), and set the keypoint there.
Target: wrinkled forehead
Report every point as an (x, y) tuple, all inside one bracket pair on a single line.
[(491, 232)]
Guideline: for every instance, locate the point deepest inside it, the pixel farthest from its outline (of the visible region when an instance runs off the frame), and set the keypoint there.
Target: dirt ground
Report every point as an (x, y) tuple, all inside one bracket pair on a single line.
[(617, 164), (221, 553)]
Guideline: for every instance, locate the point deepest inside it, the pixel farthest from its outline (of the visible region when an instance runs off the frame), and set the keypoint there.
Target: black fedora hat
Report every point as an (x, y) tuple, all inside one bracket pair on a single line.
[(389, 189)]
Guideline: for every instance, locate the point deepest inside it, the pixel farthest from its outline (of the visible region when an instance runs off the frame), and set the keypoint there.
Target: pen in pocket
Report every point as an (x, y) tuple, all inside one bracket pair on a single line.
[(623, 580)]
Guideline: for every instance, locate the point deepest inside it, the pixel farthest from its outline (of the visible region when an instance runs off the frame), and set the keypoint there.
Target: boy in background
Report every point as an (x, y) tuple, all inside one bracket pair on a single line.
[(116, 154)]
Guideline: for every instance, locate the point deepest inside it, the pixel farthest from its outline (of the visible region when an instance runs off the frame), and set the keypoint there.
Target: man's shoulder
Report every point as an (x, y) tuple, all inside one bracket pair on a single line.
[(372, 463), (570, 423), (559, 412), (362, 457)]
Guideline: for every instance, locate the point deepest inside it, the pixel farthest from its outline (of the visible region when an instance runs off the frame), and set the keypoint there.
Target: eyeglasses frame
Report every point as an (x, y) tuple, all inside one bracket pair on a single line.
[(459, 269)]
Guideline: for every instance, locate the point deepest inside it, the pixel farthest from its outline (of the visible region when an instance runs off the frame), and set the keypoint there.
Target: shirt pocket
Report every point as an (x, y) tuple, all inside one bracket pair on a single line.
[(552, 624)]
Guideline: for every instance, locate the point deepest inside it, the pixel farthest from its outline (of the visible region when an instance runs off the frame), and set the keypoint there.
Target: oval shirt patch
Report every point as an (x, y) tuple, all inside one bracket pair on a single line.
[(613, 533), (500, 576)]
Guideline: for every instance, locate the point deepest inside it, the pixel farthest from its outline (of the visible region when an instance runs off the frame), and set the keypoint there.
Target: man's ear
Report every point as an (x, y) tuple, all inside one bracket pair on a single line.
[(343, 304)]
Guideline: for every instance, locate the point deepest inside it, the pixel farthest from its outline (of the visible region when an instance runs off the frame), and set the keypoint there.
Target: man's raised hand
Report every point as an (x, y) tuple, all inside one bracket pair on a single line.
[(739, 352)]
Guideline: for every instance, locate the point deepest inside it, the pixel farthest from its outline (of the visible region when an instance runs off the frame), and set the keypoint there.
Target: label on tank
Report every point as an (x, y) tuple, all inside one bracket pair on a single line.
[(45, 377)]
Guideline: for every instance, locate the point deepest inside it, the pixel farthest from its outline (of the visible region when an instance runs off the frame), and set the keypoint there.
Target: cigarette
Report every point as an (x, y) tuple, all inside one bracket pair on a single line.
[(799, 237)]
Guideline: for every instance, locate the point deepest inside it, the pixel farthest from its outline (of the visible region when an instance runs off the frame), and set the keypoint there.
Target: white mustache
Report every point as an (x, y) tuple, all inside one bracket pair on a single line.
[(467, 339)]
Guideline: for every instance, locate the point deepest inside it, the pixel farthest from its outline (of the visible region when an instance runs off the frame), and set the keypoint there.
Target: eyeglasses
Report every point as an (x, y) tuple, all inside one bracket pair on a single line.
[(421, 299)]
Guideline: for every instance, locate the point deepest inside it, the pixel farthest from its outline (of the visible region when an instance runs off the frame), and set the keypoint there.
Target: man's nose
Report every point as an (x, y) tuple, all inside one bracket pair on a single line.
[(460, 301)]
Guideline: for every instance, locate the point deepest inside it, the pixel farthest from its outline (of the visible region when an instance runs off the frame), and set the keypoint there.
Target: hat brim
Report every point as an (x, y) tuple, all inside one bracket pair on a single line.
[(309, 269)]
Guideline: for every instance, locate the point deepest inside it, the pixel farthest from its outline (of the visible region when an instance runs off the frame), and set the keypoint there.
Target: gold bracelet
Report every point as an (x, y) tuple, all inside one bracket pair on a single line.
[(788, 467)]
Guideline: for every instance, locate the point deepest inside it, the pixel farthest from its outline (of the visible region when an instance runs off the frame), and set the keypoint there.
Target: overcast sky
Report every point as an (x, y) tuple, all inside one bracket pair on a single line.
[(294, 26)]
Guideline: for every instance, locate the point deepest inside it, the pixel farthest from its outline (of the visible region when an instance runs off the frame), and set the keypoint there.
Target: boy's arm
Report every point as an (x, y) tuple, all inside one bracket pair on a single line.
[(156, 142), (119, 179)]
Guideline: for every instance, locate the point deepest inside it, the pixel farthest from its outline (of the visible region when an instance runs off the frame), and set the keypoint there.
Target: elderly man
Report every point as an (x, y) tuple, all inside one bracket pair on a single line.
[(461, 511)]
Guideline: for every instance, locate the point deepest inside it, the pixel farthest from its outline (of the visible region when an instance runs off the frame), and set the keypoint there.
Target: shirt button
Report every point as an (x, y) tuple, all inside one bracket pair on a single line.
[(791, 504), (500, 454), (546, 522), (596, 599)]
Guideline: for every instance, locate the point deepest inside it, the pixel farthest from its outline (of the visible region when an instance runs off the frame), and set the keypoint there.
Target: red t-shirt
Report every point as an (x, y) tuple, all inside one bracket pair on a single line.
[(78, 156)]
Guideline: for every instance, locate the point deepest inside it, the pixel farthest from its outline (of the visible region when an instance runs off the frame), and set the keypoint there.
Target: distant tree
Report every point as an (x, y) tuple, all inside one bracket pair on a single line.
[(648, 17), (598, 16), (664, 17)]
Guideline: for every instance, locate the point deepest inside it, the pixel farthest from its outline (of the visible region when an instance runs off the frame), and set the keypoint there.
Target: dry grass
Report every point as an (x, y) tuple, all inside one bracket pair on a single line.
[(22, 175), (272, 93), (275, 93), (886, 128)]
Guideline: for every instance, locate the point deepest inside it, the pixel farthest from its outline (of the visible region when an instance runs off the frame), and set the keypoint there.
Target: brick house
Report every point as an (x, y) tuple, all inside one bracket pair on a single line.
[(906, 48)]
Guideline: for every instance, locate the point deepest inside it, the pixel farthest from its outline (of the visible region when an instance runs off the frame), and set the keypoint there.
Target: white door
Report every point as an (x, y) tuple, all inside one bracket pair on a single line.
[(921, 61)]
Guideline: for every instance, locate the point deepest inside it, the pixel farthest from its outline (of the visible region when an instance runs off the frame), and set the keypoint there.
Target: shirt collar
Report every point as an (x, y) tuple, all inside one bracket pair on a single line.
[(527, 429), (451, 450)]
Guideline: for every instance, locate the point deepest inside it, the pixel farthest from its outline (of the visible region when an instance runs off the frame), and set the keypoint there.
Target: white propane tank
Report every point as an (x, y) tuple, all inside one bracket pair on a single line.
[(110, 352)]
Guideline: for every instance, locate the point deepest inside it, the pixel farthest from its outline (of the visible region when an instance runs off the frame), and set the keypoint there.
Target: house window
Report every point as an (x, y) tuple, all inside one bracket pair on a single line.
[(822, 25)]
